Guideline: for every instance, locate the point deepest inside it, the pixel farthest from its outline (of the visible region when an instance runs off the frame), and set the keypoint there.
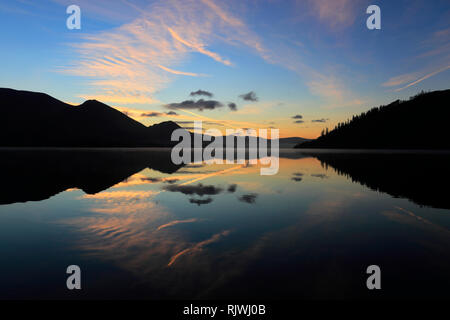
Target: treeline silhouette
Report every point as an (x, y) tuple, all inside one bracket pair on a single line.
[(418, 123)]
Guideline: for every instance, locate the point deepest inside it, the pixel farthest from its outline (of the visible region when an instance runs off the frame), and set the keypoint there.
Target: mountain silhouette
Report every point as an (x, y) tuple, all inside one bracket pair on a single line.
[(418, 123), (31, 119)]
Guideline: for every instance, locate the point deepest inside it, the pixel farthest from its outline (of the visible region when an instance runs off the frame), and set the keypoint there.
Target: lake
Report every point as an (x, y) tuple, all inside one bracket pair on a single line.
[(141, 227)]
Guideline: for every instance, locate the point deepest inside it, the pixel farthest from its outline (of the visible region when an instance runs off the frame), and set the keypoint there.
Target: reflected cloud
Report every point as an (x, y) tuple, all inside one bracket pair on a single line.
[(200, 202), (248, 198), (199, 189), (175, 222), (199, 246), (319, 175)]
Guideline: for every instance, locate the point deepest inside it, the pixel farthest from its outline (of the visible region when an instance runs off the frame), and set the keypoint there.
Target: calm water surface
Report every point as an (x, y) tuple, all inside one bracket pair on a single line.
[(141, 227)]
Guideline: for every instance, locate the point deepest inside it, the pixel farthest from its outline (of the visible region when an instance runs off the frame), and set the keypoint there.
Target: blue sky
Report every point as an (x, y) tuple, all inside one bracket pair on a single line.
[(316, 58)]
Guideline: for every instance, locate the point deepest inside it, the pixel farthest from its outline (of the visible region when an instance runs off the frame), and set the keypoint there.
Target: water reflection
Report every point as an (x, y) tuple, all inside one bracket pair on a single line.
[(419, 177), (143, 228)]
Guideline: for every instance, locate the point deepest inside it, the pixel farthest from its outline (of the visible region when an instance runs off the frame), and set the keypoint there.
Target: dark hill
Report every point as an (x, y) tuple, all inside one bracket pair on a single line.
[(418, 123), (30, 119)]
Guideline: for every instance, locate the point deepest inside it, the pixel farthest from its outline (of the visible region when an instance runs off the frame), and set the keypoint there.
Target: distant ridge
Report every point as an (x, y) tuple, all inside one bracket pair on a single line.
[(418, 123)]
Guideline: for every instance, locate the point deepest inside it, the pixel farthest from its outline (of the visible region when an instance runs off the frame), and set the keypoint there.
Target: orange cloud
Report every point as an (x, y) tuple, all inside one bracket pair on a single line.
[(179, 72), (199, 48)]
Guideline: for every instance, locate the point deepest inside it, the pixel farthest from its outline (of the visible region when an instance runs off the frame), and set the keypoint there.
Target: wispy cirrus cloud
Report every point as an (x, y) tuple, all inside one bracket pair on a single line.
[(131, 63), (429, 75), (139, 58), (199, 48), (401, 79), (333, 91), (335, 13), (411, 79), (192, 74)]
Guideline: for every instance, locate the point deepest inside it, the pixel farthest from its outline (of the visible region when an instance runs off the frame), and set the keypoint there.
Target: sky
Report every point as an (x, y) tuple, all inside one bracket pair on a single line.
[(298, 66)]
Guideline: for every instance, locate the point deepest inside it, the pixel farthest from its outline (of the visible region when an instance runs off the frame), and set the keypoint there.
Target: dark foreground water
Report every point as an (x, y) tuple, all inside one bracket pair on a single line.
[(140, 227)]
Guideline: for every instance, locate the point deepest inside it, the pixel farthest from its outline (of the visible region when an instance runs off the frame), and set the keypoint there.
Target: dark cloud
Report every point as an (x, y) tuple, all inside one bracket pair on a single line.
[(194, 166), (193, 128), (232, 188), (200, 202), (298, 116), (151, 179), (199, 104), (299, 121), (214, 123), (152, 114), (232, 106), (185, 122), (199, 189), (319, 120), (158, 114), (201, 93), (203, 122), (297, 176), (155, 180), (319, 175), (248, 198), (251, 96), (198, 171)]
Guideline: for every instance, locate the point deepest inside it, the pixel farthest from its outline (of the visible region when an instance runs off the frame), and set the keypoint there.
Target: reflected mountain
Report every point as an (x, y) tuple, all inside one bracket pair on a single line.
[(34, 175), (38, 174), (419, 177)]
